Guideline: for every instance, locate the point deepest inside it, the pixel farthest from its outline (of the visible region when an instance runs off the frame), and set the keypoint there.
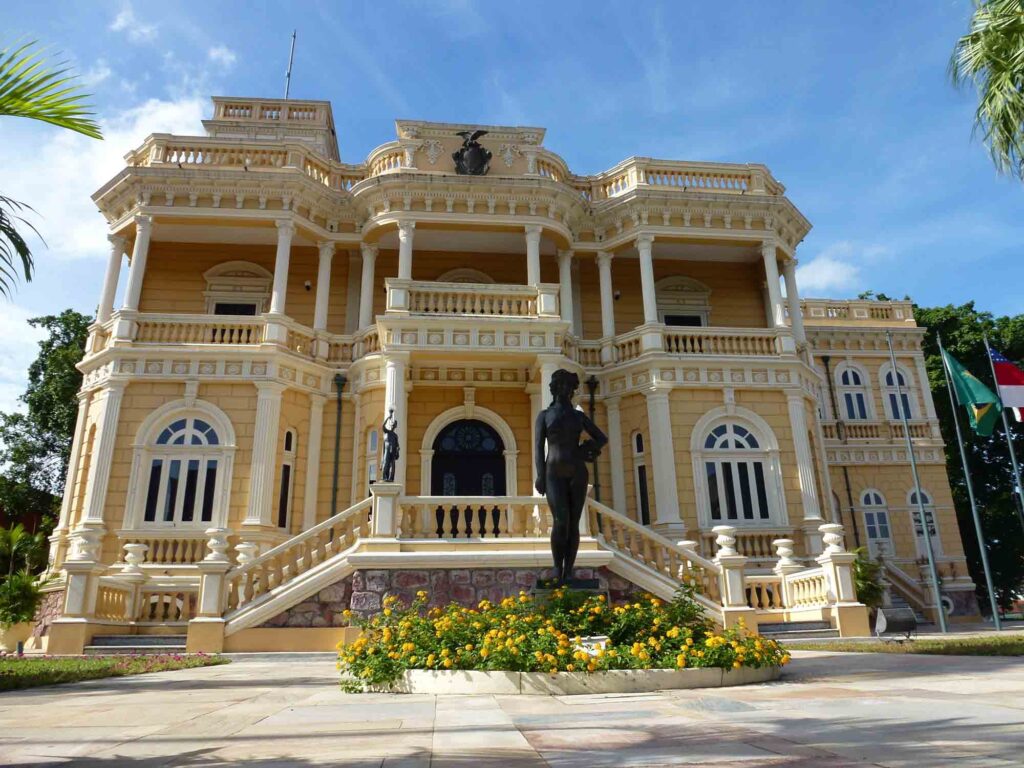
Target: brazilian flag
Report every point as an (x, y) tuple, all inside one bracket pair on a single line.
[(983, 406)]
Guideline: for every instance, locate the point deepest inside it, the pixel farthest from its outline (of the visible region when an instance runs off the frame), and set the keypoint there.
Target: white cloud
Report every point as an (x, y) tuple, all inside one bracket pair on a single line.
[(96, 74), (136, 30), (221, 54), (18, 348), (56, 172), (832, 270)]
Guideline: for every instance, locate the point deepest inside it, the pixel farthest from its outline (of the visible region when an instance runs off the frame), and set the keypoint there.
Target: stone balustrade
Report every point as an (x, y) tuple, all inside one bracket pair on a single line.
[(878, 431), (754, 543), (722, 341), (443, 517), (198, 329), (170, 548), (862, 312), (421, 297)]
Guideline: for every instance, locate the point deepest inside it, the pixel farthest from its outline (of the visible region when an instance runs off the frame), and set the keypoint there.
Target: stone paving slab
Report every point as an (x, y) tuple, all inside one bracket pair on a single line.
[(835, 710)]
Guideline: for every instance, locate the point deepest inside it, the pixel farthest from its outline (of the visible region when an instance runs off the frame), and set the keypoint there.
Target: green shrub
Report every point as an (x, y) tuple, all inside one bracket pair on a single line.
[(20, 595), (525, 635)]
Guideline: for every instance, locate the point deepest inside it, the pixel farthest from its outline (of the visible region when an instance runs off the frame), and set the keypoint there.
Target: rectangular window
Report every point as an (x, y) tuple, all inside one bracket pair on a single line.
[(684, 321), (191, 483), (227, 308), (730, 490), (713, 500), (282, 502), (154, 490), (171, 498), (210, 485), (645, 503)]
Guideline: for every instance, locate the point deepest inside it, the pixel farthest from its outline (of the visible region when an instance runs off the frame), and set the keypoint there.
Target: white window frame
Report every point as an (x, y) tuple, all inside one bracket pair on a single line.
[(681, 295), (889, 391), (146, 450), (930, 514), (875, 514), (372, 472), (853, 391), (767, 452), (640, 462), (238, 282), (287, 460)]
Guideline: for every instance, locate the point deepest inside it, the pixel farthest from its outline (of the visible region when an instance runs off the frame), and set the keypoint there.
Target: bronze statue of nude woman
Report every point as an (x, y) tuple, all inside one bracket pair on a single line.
[(562, 470)]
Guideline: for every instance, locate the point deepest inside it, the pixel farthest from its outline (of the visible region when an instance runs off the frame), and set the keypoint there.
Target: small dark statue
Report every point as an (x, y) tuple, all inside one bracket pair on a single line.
[(472, 159), (391, 451), (562, 472)]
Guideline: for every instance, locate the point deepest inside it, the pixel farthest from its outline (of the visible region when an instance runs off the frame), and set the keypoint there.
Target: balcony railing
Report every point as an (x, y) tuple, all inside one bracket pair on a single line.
[(878, 431), (721, 341), (856, 312), (198, 329), (474, 299)]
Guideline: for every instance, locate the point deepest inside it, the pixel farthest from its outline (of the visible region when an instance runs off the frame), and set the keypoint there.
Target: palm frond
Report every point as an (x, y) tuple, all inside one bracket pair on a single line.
[(13, 248), (991, 56), (30, 88)]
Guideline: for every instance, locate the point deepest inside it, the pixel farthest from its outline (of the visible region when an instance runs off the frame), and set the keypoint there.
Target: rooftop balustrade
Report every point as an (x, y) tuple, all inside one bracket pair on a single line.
[(861, 312)]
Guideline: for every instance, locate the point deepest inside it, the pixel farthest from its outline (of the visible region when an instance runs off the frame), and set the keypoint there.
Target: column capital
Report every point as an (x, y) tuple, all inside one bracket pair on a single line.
[(267, 389), (604, 258), (790, 264), (406, 227), (567, 255), (326, 248), (769, 246), (370, 250), (644, 241), (143, 222), (117, 243), (396, 358), (285, 226), (533, 230)]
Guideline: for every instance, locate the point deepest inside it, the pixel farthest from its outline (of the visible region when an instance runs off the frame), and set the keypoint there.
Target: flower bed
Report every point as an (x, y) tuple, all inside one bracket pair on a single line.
[(17, 672), (570, 632)]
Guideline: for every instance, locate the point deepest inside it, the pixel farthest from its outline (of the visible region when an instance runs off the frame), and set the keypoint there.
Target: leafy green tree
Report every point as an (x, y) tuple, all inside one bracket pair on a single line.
[(35, 445), (34, 89), (20, 549), (962, 328), (991, 56)]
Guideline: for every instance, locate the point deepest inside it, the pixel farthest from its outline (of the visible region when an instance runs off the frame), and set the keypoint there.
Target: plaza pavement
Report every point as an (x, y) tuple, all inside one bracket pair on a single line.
[(833, 710)]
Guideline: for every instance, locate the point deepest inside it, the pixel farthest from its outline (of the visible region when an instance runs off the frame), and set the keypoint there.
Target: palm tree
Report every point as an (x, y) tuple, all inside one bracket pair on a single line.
[(30, 87), (19, 548), (991, 56)]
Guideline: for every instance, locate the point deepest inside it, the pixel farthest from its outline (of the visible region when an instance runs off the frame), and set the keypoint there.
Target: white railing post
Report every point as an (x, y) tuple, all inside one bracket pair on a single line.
[(837, 564), (784, 567), (206, 630), (385, 509), (733, 585)]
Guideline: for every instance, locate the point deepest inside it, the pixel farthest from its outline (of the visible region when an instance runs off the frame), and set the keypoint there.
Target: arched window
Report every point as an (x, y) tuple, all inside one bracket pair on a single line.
[(929, 516), (876, 523), (853, 393), (682, 301), (185, 471), (237, 288), (284, 500), (643, 502), (739, 476), (893, 401), (372, 451)]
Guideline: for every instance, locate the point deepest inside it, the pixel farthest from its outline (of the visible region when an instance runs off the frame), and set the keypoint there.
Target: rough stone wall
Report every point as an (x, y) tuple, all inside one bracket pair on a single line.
[(364, 591), (49, 609)]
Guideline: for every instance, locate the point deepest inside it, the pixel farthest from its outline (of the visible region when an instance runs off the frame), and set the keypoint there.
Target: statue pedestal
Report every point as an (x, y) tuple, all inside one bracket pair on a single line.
[(544, 588)]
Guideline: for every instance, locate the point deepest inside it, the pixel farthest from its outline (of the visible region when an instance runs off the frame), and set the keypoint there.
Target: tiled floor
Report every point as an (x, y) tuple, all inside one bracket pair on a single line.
[(831, 710)]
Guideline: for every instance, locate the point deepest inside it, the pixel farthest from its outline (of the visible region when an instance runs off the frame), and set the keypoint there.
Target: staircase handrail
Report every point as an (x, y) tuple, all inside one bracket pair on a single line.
[(905, 584), (710, 586), (300, 539)]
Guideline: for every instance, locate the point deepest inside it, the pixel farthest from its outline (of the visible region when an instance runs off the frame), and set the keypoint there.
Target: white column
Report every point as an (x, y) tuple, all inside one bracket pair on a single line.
[(804, 459), (667, 519), (366, 286), (285, 231), (396, 396), (109, 403), (106, 306), (604, 273), (565, 287), (358, 480), (644, 245), (924, 388), (323, 286), (533, 253), (264, 454), (355, 268), (137, 270), (617, 466), (316, 427), (405, 233), (73, 459), (771, 276), (796, 318)]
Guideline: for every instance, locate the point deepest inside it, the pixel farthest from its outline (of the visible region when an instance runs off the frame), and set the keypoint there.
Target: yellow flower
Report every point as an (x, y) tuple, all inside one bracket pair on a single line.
[(681, 660), (469, 646), (412, 659), (447, 663), (430, 660), (570, 668), (737, 664), (387, 611)]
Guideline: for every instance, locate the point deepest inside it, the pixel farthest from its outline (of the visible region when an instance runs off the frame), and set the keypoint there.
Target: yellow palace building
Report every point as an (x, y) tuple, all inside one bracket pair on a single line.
[(225, 479)]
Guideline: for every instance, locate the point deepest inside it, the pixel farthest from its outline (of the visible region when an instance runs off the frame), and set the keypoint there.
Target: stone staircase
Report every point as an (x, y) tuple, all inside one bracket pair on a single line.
[(798, 630), (139, 645)]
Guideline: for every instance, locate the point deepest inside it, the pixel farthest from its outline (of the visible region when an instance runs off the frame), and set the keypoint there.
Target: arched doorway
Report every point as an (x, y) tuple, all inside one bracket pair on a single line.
[(468, 460)]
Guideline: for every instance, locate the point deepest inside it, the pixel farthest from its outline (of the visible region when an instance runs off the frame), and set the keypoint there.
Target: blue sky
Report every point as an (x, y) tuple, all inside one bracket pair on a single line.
[(847, 103)]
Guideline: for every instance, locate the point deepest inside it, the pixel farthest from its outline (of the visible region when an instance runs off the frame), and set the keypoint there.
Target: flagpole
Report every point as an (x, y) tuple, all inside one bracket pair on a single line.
[(970, 493), (937, 595), (1009, 436)]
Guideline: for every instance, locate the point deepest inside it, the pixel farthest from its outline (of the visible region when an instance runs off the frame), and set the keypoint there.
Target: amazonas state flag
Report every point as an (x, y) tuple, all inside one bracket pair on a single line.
[(1009, 382), (983, 407)]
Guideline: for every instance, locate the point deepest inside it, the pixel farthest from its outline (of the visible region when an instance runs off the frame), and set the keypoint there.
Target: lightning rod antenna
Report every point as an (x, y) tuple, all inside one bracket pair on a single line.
[(288, 74)]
